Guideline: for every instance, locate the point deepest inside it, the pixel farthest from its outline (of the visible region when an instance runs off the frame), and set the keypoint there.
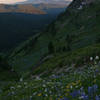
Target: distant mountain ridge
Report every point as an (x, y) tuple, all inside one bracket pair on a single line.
[(30, 8), (46, 1), (20, 21), (20, 8), (50, 5)]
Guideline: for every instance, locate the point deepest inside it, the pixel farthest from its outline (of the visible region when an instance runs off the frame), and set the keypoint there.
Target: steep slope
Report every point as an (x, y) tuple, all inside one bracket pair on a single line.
[(17, 26), (65, 58), (51, 5), (46, 1), (76, 28), (6, 71), (52, 8)]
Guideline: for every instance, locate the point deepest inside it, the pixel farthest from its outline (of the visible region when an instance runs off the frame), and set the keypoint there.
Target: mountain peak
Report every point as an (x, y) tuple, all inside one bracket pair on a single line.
[(80, 3)]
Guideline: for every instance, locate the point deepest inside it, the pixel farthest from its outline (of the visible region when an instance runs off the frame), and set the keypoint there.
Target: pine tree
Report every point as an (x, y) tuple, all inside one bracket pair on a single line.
[(64, 49), (68, 47), (4, 64), (51, 48), (69, 42)]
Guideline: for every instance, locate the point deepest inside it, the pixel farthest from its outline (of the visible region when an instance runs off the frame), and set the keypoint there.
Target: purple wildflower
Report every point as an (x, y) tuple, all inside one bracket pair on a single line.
[(75, 93), (97, 98), (90, 91), (65, 98), (95, 88)]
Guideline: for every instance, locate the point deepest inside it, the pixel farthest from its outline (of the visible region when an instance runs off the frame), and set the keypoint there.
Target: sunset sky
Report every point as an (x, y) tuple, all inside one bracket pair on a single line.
[(17, 1), (11, 1)]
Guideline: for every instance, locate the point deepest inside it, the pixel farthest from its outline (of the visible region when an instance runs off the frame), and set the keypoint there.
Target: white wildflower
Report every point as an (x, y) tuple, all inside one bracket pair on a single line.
[(21, 79), (91, 58), (81, 97), (38, 78), (13, 92), (30, 96), (46, 95), (97, 57), (44, 85), (80, 7), (52, 87), (50, 92), (71, 86), (19, 86), (45, 90), (76, 86), (12, 87), (83, 3), (25, 83), (34, 93)]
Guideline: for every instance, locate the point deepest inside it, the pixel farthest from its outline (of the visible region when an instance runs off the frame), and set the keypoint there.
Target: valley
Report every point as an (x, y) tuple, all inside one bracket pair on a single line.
[(60, 62), (16, 26)]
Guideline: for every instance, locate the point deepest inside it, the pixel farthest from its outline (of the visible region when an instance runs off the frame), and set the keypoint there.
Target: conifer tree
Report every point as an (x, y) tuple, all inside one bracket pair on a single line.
[(51, 48)]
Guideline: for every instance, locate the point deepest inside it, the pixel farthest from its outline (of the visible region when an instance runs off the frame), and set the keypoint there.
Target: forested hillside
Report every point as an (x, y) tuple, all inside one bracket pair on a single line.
[(63, 61), (74, 30)]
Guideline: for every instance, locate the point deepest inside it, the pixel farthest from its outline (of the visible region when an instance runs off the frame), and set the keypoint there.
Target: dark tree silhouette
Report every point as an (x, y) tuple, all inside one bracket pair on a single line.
[(64, 49), (4, 64), (69, 42), (98, 40), (51, 48), (68, 47)]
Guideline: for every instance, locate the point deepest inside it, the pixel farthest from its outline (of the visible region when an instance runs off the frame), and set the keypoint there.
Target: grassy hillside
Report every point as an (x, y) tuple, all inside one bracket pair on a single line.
[(73, 84), (63, 61), (7, 73), (74, 29)]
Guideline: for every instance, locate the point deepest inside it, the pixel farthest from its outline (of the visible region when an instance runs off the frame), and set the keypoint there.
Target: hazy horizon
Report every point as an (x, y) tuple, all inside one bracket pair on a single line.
[(30, 1)]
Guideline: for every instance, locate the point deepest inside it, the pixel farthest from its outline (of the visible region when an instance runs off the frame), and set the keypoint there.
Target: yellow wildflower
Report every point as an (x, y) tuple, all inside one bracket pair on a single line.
[(73, 83), (50, 98), (67, 94), (67, 90), (68, 86), (94, 81), (39, 94), (61, 96)]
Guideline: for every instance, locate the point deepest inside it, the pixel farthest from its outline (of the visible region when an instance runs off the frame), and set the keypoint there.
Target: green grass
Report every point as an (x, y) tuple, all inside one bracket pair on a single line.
[(81, 25), (68, 66), (45, 88), (65, 59)]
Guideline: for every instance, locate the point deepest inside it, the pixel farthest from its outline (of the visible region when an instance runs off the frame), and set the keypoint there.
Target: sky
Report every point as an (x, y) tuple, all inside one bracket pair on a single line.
[(11, 1), (17, 1)]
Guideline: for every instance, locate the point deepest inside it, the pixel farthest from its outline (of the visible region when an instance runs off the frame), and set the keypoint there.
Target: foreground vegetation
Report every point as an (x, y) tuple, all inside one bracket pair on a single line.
[(74, 84)]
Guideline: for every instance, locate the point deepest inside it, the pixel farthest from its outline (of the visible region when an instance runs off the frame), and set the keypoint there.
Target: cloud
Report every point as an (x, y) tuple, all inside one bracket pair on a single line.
[(11, 1), (45, 1), (28, 1)]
